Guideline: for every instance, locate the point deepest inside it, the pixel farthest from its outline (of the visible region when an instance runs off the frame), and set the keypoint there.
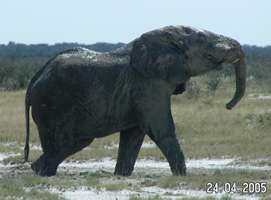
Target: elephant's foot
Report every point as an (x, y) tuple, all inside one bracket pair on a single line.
[(122, 170), (45, 166), (179, 171)]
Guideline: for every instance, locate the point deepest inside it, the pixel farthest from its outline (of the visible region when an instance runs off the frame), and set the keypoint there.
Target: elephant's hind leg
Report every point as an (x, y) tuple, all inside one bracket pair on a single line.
[(45, 165), (48, 162), (129, 146), (61, 143)]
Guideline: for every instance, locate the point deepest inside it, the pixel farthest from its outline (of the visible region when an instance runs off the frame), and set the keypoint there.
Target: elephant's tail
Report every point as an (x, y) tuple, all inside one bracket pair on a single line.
[(28, 103), (27, 108)]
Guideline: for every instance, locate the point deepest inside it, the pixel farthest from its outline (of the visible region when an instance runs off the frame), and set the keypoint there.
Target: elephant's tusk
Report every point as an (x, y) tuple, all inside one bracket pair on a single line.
[(236, 60)]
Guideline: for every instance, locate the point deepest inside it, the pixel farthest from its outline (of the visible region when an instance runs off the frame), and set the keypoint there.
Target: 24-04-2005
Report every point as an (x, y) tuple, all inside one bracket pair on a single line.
[(234, 187)]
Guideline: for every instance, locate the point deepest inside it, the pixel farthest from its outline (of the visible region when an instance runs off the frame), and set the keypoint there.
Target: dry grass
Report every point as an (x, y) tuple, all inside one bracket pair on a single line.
[(204, 123), (12, 123)]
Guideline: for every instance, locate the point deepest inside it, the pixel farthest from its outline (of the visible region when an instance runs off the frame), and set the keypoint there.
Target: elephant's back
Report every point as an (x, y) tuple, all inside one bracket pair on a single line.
[(83, 56), (80, 67)]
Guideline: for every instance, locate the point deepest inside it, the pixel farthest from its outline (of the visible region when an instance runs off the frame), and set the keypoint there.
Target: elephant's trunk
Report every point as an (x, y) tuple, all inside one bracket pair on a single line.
[(240, 72)]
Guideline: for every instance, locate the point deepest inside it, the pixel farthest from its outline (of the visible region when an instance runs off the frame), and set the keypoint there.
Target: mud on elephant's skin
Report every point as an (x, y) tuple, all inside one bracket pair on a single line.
[(80, 95)]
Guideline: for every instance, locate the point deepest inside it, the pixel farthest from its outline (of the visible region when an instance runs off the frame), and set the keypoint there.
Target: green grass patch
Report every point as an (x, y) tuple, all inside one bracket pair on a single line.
[(11, 188)]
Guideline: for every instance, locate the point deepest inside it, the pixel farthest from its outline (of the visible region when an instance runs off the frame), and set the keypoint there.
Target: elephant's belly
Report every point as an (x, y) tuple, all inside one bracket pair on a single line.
[(104, 116), (90, 127), (87, 131)]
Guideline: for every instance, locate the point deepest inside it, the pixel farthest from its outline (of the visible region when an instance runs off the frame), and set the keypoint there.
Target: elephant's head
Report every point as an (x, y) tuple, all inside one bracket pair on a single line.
[(177, 53)]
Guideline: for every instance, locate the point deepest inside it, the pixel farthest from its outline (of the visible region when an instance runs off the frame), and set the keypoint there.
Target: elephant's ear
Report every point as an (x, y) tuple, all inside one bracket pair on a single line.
[(155, 55)]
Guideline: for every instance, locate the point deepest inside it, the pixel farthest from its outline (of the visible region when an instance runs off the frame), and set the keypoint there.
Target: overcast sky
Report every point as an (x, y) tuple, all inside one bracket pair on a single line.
[(90, 21)]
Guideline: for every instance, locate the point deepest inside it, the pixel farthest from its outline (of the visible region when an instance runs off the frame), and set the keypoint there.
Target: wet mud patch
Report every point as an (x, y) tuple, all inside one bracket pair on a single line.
[(94, 179), (156, 166)]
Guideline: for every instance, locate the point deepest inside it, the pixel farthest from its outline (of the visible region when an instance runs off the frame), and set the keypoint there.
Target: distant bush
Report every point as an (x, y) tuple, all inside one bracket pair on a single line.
[(19, 62), (207, 84), (15, 72), (213, 81), (258, 60), (193, 88)]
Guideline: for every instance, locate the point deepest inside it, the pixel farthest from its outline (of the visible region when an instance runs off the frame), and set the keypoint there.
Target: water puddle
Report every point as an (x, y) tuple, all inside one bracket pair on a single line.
[(259, 97), (109, 164)]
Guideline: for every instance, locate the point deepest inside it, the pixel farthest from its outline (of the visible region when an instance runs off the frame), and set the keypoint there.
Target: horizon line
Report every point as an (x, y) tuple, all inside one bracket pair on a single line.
[(99, 42)]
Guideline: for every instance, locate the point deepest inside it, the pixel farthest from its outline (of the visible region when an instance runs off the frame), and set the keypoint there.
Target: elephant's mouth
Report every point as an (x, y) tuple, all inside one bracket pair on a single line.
[(219, 64)]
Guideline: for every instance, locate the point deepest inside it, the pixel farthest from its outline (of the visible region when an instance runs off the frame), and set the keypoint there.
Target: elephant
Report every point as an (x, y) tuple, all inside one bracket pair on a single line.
[(80, 95)]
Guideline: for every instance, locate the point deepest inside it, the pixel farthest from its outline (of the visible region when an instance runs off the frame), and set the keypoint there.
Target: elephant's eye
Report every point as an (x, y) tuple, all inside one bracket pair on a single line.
[(209, 57)]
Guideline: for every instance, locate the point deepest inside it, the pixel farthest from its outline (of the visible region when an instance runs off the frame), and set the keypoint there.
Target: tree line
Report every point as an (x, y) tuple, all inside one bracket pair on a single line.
[(19, 62)]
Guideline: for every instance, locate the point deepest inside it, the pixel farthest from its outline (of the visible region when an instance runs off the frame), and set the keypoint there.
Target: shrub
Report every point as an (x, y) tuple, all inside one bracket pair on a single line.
[(259, 120), (193, 89), (213, 81), (16, 72)]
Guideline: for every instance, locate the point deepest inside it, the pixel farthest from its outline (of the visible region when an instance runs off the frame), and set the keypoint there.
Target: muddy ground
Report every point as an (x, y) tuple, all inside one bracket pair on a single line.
[(151, 178)]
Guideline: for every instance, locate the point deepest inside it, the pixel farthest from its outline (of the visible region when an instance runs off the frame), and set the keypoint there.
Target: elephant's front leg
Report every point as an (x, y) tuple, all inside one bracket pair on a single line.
[(129, 146), (171, 149), (157, 122)]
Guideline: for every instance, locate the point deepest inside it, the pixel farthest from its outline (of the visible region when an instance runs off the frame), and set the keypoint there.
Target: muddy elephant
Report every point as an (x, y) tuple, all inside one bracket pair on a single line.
[(80, 95)]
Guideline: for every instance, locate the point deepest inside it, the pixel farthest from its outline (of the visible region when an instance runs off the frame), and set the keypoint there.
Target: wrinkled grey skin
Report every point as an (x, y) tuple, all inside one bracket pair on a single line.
[(80, 95)]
